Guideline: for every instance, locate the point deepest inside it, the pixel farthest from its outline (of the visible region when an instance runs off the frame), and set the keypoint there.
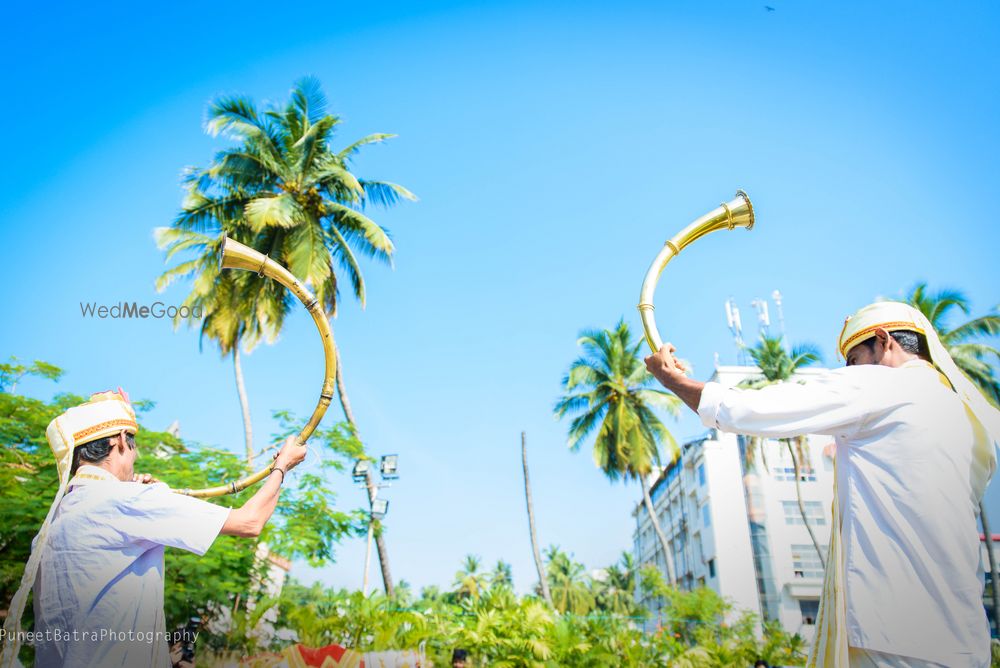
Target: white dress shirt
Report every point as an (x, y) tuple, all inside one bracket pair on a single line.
[(908, 487), (99, 588)]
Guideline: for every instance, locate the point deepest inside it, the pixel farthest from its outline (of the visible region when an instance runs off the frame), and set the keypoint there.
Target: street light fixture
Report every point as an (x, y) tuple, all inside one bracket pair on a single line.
[(379, 508), (361, 468), (389, 467)]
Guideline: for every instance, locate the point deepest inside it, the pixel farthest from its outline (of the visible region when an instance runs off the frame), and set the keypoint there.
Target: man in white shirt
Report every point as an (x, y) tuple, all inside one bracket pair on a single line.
[(915, 449), (99, 583)]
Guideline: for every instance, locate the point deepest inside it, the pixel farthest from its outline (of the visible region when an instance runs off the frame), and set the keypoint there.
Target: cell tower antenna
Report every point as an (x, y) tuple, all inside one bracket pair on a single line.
[(736, 327), (763, 317), (776, 296)]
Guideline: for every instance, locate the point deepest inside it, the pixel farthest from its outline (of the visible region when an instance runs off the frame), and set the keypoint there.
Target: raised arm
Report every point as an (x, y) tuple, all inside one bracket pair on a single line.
[(249, 520), (666, 368), (831, 404)]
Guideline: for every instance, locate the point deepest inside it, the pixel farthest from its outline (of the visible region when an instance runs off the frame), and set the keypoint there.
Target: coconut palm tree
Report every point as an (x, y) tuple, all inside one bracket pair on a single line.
[(502, 575), (777, 365), (616, 592), (289, 194), (539, 566), (611, 391), (568, 583), (469, 580), (964, 343)]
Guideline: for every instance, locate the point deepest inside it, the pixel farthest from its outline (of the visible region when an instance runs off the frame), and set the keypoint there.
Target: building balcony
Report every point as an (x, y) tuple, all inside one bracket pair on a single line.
[(804, 587)]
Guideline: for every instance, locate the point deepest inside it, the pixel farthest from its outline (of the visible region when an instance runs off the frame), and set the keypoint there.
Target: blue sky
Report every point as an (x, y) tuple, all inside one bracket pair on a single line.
[(553, 147)]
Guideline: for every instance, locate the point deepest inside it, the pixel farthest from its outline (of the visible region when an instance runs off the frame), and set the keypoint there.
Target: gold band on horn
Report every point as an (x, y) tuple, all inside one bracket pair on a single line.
[(738, 212), (237, 256)]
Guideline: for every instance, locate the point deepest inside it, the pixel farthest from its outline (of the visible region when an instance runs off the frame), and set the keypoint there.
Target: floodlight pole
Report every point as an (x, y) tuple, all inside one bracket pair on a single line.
[(372, 493), (372, 490), (368, 558)]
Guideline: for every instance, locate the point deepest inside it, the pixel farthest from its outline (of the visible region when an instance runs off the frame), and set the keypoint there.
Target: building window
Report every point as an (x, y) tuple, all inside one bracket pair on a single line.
[(706, 515), (711, 568), (809, 607), (805, 562), (701, 474), (787, 474), (814, 512)]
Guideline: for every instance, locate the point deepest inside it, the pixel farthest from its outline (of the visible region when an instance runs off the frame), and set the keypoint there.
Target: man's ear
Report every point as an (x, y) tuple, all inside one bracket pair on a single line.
[(122, 442), (882, 336)]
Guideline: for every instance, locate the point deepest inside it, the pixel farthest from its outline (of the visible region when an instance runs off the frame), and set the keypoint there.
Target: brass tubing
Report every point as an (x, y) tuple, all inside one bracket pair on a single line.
[(738, 212), (238, 256)]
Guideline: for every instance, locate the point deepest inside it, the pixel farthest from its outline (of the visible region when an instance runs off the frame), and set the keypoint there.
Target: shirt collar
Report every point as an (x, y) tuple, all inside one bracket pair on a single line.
[(87, 474)]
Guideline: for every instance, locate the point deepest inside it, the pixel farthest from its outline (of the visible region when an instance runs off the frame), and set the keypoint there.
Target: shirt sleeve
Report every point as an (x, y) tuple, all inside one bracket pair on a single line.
[(832, 404), (155, 514)]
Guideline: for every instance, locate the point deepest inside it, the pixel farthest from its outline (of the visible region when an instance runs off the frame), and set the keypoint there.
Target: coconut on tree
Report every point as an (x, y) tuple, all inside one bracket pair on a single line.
[(610, 391)]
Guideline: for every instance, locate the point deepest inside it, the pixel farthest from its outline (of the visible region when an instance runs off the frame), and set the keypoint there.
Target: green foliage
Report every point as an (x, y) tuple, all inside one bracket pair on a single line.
[(568, 583), (700, 630), (498, 628), (12, 371)]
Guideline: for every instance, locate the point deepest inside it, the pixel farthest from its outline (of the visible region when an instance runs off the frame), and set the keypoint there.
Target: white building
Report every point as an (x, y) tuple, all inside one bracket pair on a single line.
[(737, 528)]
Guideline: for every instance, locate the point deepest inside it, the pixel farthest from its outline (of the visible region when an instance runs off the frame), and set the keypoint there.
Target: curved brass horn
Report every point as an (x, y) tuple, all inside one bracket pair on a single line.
[(237, 256), (738, 212)]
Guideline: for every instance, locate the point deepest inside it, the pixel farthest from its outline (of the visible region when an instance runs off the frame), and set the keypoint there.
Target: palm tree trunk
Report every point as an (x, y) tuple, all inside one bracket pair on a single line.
[(383, 553), (241, 390), (539, 566), (802, 507), (994, 577), (668, 556), (383, 556)]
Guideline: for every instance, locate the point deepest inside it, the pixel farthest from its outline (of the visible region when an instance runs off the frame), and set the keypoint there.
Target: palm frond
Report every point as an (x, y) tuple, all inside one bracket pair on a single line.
[(308, 98), (665, 401), (235, 115), (312, 143), (385, 194), (306, 255), (345, 257), (582, 425), (277, 211), (337, 179), (362, 231), (375, 138), (183, 270), (987, 325)]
